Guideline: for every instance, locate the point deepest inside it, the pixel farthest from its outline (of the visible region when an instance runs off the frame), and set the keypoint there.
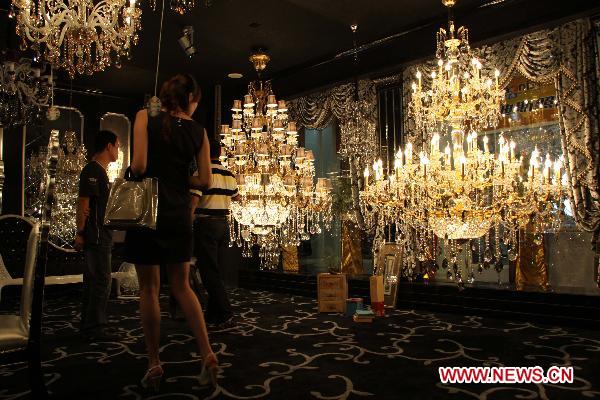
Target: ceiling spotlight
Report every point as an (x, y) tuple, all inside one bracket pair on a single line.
[(187, 41), (235, 75)]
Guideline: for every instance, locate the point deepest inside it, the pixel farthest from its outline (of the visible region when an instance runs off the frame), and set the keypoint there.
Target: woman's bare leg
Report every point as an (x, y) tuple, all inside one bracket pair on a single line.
[(179, 283), (149, 281)]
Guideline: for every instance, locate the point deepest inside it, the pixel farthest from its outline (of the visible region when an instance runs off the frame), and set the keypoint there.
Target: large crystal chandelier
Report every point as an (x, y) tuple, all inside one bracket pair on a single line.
[(78, 35), (279, 200), (459, 96), (23, 91), (462, 190)]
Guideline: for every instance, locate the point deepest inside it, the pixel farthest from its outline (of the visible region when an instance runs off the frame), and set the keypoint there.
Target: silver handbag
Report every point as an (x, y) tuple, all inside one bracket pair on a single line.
[(132, 204)]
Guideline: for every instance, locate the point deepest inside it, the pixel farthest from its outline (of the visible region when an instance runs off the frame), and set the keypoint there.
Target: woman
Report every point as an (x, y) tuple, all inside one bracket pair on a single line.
[(163, 147)]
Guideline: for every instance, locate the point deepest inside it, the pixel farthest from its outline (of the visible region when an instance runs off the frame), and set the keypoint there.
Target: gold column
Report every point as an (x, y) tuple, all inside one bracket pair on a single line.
[(351, 249), (531, 265)]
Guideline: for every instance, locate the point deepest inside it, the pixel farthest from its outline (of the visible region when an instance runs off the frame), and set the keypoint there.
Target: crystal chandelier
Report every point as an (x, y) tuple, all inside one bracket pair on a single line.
[(279, 201), (459, 190), (71, 160), (459, 96), (78, 35), (23, 91), (358, 131)]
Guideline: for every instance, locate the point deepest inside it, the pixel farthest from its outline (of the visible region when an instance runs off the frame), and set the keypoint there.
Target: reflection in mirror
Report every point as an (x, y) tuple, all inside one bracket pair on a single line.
[(120, 125), (72, 158), (36, 143), (321, 253), (388, 273)]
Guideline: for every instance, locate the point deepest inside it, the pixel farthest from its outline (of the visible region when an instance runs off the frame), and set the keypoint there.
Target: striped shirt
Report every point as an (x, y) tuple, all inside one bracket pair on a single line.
[(216, 200)]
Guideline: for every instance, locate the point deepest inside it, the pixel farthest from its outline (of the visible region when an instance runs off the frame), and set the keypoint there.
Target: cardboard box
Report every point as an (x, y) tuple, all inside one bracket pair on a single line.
[(332, 292)]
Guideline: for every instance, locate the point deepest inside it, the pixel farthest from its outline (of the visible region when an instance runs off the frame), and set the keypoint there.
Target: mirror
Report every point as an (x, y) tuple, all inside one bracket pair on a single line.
[(120, 125), (389, 259)]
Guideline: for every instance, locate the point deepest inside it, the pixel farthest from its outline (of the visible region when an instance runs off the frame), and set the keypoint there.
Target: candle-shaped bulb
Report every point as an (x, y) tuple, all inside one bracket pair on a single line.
[(418, 75), (496, 73), (414, 87)]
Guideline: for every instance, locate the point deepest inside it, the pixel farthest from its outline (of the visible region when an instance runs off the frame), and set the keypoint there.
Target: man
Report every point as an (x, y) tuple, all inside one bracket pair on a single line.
[(211, 237), (93, 237)]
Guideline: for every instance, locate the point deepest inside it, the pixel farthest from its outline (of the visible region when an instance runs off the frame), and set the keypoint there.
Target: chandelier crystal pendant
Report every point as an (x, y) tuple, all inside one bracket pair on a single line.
[(462, 190), (279, 202), (78, 35)]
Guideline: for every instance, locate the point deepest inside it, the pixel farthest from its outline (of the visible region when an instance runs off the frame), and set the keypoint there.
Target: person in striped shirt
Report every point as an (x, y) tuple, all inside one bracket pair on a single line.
[(211, 236)]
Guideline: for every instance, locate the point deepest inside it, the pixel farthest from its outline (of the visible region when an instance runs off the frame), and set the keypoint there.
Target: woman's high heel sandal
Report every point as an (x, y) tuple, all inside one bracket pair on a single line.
[(210, 370), (152, 378)]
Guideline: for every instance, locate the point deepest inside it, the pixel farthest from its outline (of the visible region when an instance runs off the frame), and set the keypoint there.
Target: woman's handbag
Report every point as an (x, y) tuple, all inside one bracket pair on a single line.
[(132, 203)]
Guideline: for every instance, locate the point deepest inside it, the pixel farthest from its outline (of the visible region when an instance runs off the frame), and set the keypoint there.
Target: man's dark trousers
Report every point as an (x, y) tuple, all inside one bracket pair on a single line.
[(211, 240), (96, 286)]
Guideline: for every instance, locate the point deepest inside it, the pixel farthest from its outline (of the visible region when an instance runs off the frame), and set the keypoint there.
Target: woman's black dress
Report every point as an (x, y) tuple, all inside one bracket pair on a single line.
[(169, 158)]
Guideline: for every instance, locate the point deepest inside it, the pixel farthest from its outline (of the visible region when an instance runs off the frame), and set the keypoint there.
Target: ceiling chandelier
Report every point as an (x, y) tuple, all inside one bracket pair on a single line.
[(358, 130), (463, 188), (78, 35), (278, 197), (460, 96), (23, 91)]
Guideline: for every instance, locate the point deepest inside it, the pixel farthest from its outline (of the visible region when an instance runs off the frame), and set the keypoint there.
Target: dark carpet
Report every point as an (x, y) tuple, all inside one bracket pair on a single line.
[(282, 348)]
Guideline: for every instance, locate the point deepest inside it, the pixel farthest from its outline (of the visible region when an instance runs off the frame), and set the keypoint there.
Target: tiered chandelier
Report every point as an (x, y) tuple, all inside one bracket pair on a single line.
[(278, 197), (460, 189), (459, 96), (78, 35)]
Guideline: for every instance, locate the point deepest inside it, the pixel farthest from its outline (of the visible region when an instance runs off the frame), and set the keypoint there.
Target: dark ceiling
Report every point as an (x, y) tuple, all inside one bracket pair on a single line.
[(308, 40)]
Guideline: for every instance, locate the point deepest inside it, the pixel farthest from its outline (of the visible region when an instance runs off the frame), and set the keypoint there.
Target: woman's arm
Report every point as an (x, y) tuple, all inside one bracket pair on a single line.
[(204, 177), (140, 143)]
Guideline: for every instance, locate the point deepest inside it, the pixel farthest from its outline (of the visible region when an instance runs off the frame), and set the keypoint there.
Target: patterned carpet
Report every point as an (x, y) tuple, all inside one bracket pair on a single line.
[(283, 349)]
